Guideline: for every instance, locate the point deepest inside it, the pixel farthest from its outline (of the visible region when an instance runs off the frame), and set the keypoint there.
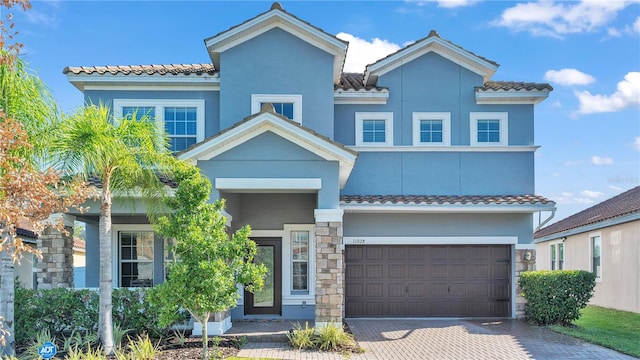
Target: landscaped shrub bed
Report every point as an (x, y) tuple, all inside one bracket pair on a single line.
[(556, 297), (63, 311)]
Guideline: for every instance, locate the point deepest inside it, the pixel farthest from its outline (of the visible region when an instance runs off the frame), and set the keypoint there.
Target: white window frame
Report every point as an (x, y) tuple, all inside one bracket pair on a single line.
[(445, 117), (591, 237), (556, 245), (388, 127), (290, 296), (502, 117), (257, 99), (115, 249), (159, 105)]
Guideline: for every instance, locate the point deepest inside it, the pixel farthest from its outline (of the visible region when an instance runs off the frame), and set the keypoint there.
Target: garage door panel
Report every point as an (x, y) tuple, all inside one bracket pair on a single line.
[(374, 252), (457, 271), (375, 290), (374, 272), (397, 271), (397, 290), (427, 280)]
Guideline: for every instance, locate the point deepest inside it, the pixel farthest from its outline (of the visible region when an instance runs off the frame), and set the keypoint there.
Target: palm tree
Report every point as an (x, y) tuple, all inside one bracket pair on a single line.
[(129, 156)]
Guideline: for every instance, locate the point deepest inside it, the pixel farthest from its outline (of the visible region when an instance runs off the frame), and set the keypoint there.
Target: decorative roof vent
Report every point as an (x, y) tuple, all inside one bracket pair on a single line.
[(268, 107), (276, 6), (433, 33)]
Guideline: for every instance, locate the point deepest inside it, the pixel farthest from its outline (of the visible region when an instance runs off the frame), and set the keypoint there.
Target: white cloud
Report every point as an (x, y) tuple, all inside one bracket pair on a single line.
[(626, 95), (573, 162), (616, 188), (591, 194), (601, 160), (636, 143), (445, 3), (362, 52), (551, 18), (636, 25), (568, 77), (570, 198), (613, 32)]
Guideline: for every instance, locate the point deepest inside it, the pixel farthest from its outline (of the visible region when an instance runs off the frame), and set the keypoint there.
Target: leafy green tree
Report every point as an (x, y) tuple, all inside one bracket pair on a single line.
[(210, 262), (129, 156)]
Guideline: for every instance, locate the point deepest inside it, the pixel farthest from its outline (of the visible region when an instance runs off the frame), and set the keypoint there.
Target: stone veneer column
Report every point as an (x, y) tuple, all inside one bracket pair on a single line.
[(329, 267), (55, 269), (525, 261)]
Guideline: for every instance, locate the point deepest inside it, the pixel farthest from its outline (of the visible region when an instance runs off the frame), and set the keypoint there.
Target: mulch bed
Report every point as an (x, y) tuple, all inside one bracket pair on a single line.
[(192, 349)]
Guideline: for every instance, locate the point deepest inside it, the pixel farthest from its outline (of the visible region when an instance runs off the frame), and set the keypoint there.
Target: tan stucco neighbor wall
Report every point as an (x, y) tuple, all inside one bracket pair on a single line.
[(619, 285)]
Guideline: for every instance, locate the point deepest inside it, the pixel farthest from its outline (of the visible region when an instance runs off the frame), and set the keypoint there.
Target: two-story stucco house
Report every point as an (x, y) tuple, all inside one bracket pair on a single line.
[(406, 190)]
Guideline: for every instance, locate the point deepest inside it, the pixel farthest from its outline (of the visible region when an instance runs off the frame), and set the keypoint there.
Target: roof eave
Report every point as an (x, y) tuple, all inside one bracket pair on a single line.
[(446, 208), (81, 81), (278, 18), (510, 97), (589, 227), (435, 44)]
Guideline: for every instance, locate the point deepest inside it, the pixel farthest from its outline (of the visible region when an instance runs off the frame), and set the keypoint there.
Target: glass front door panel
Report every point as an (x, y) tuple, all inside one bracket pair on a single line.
[(266, 296)]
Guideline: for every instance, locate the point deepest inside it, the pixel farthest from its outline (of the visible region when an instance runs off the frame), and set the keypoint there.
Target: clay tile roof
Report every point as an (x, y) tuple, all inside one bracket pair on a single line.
[(355, 81), (514, 85), (445, 199), (94, 180), (172, 69), (624, 204)]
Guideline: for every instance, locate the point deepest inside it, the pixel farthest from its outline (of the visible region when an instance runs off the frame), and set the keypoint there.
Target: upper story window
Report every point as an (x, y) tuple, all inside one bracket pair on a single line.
[(183, 120), (287, 105), (374, 129), (489, 128), (431, 128)]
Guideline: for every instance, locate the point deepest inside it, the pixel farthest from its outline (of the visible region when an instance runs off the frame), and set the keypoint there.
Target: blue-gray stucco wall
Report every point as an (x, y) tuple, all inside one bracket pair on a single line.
[(270, 156), (442, 173), (92, 248), (277, 62), (211, 101), (440, 225)]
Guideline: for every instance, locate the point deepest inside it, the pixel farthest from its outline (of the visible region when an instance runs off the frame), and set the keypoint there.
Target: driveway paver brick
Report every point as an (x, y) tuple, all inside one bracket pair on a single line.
[(406, 339)]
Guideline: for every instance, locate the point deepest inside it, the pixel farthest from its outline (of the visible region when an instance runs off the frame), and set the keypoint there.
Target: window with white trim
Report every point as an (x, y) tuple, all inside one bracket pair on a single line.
[(489, 128), (557, 256), (374, 129), (183, 120), (284, 104), (596, 256), (432, 128), (299, 261), (136, 258)]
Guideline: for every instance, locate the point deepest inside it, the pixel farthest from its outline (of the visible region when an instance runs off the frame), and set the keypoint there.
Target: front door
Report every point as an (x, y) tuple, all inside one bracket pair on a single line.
[(267, 301)]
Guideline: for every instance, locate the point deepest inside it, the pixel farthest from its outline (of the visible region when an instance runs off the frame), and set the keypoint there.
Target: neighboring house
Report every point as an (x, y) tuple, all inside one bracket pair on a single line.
[(79, 262), (406, 190), (604, 239), (25, 269)]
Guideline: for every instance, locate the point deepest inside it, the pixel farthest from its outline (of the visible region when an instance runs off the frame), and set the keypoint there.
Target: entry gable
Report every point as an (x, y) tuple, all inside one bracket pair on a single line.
[(433, 42), (267, 120), (277, 17)]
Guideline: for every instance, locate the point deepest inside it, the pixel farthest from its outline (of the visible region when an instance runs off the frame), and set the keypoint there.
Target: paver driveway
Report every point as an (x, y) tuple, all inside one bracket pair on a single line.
[(469, 339)]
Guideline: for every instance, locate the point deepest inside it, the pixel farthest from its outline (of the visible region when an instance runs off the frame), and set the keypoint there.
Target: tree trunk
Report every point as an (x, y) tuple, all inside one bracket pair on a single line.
[(205, 337), (105, 326), (7, 292)]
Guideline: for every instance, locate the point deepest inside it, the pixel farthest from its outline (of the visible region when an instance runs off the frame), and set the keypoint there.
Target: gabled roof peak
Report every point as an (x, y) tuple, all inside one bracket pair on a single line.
[(433, 33), (276, 6)]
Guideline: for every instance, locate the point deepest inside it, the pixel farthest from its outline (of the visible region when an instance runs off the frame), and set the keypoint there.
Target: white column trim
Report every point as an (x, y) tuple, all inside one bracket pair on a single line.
[(328, 215)]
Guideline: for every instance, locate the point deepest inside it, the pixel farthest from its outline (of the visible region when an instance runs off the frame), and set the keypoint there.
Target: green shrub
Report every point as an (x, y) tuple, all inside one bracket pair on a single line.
[(58, 311), (302, 338), (556, 297), (331, 337), (66, 313)]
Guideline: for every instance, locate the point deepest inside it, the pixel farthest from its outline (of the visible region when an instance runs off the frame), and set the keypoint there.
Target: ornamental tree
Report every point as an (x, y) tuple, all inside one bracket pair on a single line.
[(210, 263)]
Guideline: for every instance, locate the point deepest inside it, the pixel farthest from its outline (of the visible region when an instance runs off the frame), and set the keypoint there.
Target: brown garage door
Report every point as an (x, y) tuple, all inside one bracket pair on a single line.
[(427, 280)]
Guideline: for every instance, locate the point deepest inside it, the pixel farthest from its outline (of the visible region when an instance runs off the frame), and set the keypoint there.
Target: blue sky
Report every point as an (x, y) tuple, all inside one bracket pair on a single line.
[(588, 129)]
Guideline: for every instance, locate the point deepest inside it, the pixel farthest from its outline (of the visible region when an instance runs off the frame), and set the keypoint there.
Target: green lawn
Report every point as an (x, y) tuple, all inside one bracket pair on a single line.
[(615, 329)]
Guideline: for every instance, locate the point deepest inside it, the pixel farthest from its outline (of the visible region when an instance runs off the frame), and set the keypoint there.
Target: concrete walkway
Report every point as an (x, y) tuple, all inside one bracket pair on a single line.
[(446, 339)]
